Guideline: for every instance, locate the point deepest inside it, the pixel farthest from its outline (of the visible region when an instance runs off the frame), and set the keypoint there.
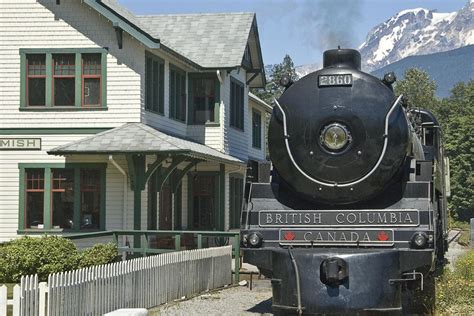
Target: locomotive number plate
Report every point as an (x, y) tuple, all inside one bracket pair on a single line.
[(332, 237), (335, 80), (342, 218)]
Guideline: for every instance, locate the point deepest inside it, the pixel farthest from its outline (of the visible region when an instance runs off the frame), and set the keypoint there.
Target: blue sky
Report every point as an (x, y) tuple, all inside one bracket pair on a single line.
[(300, 28)]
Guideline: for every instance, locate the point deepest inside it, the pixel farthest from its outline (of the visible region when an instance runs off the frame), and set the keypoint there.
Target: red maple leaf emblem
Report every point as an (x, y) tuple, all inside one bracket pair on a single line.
[(289, 236), (382, 236)]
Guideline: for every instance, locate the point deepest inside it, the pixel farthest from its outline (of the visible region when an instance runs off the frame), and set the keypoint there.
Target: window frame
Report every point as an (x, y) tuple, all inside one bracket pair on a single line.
[(256, 138), (27, 81), (36, 190), (59, 190), (48, 198), (49, 85), (55, 77), (160, 95), (172, 105), (237, 111), (217, 102), (89, 76)]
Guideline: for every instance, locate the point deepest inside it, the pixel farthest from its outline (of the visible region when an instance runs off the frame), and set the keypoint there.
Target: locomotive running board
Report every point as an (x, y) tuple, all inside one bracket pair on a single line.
[(349, 184)]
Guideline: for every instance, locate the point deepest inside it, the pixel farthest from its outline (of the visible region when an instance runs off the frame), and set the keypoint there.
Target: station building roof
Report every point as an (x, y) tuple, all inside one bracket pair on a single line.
[(138, 138), (204, 40)]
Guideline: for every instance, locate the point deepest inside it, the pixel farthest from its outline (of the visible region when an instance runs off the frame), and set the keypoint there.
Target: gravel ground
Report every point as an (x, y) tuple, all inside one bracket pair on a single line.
[(230, 301), (455, 249), (241, 301)]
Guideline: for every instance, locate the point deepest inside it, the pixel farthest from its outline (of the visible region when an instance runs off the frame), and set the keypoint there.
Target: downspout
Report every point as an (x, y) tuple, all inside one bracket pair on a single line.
[(218, 73), (125, 196), (221, 118)]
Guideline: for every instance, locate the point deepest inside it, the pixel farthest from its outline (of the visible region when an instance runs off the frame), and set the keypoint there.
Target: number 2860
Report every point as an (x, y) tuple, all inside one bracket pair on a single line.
[(335, 80)]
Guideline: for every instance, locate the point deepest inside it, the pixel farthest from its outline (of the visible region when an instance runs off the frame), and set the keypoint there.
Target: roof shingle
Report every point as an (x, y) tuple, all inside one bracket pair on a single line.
[(212, 40), (141, 138)]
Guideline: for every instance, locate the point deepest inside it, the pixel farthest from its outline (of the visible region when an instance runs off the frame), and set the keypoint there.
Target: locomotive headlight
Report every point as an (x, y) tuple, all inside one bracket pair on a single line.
[(419, 240), (255, 240), (335, 136)]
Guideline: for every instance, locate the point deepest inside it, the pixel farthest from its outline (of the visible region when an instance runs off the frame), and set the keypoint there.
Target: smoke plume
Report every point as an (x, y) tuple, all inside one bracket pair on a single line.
[(325, 24)]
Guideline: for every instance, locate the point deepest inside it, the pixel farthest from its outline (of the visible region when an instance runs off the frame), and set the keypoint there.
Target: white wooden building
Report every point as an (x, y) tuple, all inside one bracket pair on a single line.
[(115, 121)]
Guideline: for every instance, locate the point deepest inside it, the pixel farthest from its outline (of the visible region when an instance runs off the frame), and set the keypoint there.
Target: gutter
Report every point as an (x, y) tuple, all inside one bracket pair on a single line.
[(123, 23)]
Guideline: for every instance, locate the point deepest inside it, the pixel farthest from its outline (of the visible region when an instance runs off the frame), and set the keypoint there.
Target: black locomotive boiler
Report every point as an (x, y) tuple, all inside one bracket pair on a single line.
[(354, 216)]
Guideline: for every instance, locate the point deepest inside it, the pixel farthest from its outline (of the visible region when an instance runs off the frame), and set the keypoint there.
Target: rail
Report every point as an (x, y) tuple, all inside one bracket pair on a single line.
[(177, 236)]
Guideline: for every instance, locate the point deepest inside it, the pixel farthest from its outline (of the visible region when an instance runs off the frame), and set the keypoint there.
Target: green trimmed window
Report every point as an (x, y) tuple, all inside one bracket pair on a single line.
[(54, 79), (204, 98), (68, 197), (236, 198), (256, 129), (155, 84), (236, 104), (177, 94)]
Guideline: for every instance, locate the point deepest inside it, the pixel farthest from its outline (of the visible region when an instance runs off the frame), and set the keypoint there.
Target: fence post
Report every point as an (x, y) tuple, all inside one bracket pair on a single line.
[(3, 300), (145, 245), (199, 241), (16, 300), (115, 236), (177, 241), (43, 289), (237, 258)]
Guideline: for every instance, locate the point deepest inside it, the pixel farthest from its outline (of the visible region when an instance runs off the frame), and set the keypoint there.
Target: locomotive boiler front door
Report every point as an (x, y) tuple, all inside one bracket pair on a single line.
[(204, 202)]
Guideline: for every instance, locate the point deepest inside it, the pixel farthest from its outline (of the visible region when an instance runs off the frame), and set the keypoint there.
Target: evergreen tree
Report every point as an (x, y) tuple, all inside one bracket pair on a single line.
[(273, 89), (455, 115), (418, 90), (458, 128)]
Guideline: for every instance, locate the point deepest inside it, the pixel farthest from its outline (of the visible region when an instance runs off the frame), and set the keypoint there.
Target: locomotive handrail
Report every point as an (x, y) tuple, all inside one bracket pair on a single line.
[(335, 184)]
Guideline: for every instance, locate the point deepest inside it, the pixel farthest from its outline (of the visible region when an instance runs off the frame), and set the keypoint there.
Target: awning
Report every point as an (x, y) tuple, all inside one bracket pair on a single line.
[(138, 138)]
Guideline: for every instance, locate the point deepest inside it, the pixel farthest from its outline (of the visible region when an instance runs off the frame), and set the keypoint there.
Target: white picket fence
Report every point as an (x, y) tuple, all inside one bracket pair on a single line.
[(138, 283)]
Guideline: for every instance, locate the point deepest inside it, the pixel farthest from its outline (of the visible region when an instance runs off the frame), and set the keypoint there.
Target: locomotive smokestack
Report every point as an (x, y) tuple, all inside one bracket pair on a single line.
[(342, 58)]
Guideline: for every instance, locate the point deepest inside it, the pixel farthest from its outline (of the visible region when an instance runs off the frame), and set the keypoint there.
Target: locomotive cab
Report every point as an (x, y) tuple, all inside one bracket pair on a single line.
[(356, 206)]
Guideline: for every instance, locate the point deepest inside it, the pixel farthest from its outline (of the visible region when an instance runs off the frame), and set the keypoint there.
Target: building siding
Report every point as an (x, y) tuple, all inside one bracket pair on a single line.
[(9, 183), (30, 24), (45, 25), (256, 153), (236, 140)]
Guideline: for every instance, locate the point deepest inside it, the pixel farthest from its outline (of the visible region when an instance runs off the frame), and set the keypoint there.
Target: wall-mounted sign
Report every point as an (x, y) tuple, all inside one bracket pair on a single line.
[(20, 143)]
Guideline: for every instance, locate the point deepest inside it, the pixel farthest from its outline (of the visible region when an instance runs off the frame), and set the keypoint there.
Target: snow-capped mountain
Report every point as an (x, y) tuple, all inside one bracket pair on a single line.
[(417, 32), (303, 70)]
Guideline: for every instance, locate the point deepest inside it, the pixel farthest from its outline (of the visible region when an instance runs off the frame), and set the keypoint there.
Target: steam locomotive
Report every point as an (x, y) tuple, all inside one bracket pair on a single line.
[(355, 214)]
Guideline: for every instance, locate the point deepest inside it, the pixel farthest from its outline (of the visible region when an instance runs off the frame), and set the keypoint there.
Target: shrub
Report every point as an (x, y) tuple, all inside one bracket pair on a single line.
[(99, 254), (42, 256), (455, 289), (48, 254)]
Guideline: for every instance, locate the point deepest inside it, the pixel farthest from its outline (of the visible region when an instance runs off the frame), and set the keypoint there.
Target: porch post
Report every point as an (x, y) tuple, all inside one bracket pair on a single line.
[(136, 168), (221, 197)]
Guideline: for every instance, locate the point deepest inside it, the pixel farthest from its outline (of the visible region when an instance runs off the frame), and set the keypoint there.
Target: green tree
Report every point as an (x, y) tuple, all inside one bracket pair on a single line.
[(273, 89), (418, 89), (457, 117)]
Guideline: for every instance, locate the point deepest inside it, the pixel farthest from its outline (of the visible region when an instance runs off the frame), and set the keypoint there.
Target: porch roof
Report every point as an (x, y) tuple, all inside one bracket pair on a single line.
[(138, 138)]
